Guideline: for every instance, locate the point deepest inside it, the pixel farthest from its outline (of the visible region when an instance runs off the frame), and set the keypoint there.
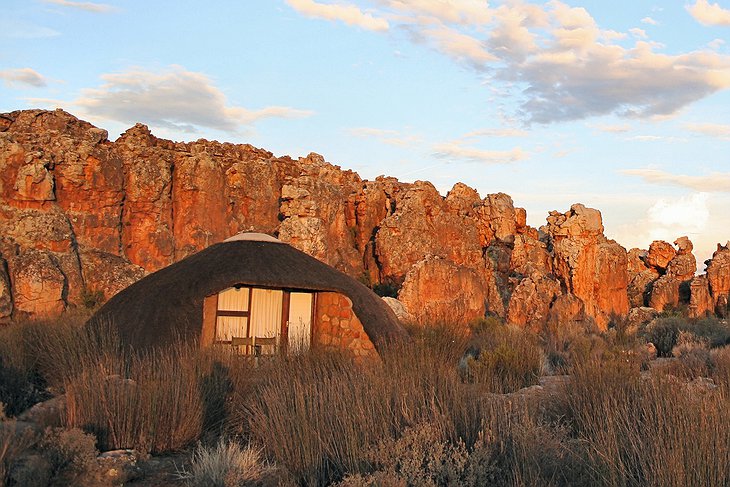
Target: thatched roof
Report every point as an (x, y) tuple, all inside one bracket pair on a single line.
[(169, 303)]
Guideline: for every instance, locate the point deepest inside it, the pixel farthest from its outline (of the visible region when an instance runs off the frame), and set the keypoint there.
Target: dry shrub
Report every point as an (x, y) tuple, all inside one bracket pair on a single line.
[(663, 333), (227, 464), (320, 415), (693, 357), (565, 344), (150, 402), (15, 440), (509, 359), (720, 358), (68, 450), (422, 456), (648, 431)]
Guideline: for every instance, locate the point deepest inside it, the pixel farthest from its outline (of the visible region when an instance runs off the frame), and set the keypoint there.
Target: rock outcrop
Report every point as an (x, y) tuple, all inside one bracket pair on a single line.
[(82, 217), (673, 287), (591, 267)]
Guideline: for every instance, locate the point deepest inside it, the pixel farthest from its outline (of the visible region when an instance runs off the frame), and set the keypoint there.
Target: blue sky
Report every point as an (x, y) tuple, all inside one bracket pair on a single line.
[(623, 106)]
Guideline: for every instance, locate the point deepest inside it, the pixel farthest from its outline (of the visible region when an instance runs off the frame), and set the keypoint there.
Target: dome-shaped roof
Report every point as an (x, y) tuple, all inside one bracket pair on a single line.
[(168, 304)]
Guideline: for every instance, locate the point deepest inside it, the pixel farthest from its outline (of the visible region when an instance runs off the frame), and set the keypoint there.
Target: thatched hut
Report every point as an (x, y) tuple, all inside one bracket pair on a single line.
[(255, 293)]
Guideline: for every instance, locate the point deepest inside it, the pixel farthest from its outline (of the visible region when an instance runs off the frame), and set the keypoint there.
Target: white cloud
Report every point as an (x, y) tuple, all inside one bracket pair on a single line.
[(716, 44), (656, 138), (23, 76), (688, 214), (649, 21), (552, 57), (447, 11), (707, 13), (98, 8), (174, 98), (712, 129), (458, 46), (349, 14), (714, 182), (456, 151)]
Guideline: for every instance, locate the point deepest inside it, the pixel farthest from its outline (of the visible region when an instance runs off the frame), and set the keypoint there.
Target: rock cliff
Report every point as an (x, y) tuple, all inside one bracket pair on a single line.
[(81, 217)]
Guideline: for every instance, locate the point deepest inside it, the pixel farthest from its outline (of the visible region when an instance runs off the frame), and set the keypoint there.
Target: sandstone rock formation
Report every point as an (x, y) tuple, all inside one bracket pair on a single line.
[(718, 276), (437, 291), (83, 216), (591, 267), (673, 287)]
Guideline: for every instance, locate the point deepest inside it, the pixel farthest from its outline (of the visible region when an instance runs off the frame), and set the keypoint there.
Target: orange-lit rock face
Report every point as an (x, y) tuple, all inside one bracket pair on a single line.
[(38, 284), (314, 210), (718, 276), (437, 291), (531, 300), (660, 254), (103, 213), (423, 225), (337, 326), (701, 303), (592, 268), (673, 288)]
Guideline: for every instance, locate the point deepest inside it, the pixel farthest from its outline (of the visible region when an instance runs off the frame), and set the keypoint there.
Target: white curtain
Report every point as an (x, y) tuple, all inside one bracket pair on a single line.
[(266, 312), (233, 299), (228, 327)]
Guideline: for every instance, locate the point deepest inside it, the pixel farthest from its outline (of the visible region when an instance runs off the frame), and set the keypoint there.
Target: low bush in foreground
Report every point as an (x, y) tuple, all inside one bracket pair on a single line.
[(227, 464)]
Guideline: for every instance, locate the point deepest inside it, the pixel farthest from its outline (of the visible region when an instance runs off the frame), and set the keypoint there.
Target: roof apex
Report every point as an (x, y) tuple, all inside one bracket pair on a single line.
[(253, 237)]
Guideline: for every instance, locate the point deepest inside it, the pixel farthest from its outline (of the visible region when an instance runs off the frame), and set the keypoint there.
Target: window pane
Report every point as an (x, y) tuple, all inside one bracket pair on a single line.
[(233, 299), (230, 326)]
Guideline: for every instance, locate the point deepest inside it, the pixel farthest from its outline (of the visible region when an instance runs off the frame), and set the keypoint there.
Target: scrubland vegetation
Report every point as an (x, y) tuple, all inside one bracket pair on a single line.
[(424, 415)]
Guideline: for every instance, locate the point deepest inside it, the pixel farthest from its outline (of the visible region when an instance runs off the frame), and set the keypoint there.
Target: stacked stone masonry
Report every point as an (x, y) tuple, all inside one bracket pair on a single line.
[(337, 326)]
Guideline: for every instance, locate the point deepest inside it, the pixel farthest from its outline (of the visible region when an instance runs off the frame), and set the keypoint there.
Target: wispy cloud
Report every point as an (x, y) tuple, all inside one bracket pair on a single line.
[(656, 138), (714, 182), (462, 47), (649, 21), (99, 8), (390, 137), (707, 13), (174, 98), (23, 77), (454, 151), (347, 13), (712, 129)]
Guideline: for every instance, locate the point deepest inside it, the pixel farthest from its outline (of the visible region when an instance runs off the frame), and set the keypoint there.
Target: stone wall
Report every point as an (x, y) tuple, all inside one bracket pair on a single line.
[(337, 327)]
